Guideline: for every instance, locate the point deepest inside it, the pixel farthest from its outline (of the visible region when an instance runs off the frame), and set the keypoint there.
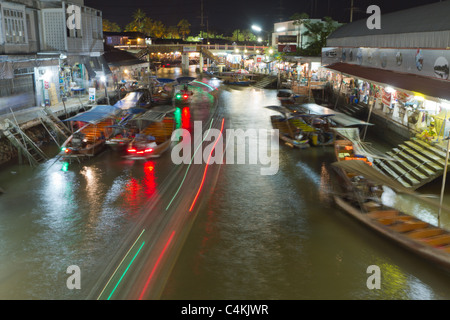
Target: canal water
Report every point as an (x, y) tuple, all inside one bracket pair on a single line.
[(281, 237), (255, 237)]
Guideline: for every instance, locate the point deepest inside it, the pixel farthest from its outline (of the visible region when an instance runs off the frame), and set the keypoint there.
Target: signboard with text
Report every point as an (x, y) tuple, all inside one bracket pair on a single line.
[(287, 39)]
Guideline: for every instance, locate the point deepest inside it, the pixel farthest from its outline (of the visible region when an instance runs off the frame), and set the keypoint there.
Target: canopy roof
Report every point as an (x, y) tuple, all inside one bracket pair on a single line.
[(426, 18), (96, 114), (156, 114), (338, 117), (425, 26), (129, 101)]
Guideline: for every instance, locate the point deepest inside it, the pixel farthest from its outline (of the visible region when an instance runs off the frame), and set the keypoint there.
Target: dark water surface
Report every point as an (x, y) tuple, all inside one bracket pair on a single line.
[(255, 237)]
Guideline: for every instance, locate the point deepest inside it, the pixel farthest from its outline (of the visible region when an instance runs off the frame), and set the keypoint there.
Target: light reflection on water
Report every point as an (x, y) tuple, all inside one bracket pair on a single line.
[(263, 237), (280, 237)]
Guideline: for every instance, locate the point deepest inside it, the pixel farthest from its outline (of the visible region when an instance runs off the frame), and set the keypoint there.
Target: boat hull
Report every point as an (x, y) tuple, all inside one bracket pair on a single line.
[(438, 254), (156, 153)]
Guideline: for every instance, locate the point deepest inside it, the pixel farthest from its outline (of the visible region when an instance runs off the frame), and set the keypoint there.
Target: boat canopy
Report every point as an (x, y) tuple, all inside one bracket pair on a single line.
[(372, 174), (182, 80), (279, 109), (338, 117), (156, 114), (96, 114), (129, 101), (165, 80)]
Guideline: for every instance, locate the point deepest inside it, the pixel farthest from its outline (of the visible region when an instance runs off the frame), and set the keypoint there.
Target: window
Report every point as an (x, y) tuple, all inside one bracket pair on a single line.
[(14, 26)]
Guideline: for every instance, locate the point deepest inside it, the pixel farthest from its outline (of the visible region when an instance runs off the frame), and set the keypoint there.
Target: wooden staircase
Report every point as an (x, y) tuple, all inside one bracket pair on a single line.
[(415, 163), (23, 143), (209, 55), (54, 127)]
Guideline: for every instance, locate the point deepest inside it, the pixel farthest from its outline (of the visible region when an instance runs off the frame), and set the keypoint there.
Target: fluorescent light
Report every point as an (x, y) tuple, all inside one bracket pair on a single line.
[(256, 28)]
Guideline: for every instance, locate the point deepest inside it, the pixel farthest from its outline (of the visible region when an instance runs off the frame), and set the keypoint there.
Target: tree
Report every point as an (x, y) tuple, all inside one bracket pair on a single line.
[(247, 35), (319, 32), (299, 20), (173, 33), (159, 29), (109, 26), (237, 35), (138, 23), (183, 28), (139, 17)]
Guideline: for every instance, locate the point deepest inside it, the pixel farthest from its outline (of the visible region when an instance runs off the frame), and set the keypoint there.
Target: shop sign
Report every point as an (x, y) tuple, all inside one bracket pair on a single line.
[(386, 99), (92, 94), (287, 39), (189, 48), (287, 48)]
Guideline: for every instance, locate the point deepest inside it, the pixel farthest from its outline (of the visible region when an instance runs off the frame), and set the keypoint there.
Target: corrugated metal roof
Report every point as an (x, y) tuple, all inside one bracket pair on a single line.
[(432, 17)]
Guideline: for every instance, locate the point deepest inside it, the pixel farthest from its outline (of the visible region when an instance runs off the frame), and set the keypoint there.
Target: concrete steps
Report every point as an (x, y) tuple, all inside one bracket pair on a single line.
[(350, 109), (265, 82), (415, 163)]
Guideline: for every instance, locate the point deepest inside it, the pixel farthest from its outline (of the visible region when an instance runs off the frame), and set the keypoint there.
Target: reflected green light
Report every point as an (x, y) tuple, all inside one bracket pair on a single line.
[(65, 167), (177, 114)]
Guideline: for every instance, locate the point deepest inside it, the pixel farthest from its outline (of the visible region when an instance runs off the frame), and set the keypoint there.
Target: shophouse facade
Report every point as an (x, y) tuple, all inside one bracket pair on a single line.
[(48, 50), (400, 72)]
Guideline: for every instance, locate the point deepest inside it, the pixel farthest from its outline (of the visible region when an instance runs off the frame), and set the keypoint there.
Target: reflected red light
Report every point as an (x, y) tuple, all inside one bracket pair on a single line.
[(186, 118), (156, 266), (206, 168)]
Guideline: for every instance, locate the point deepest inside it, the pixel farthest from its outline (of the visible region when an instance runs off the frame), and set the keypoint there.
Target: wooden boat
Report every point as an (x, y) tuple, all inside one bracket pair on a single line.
[(95, 126), (286, 96), (362, 202), (162, 90), (237, 78), (287, 132), (124, 131), (345, 150), (155, 136), (313, 128), (317, 128)]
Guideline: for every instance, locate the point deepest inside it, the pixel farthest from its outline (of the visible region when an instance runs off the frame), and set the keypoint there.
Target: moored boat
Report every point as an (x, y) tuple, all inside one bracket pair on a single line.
[(362, 202), (94, 128), (154, 137), (288, 133)]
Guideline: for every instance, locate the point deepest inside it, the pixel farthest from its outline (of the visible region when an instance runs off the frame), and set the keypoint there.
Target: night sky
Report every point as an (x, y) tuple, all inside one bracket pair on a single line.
[(227, 15)]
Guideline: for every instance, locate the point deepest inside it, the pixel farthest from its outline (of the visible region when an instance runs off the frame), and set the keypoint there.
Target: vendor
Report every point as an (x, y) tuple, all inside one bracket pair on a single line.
[(430, 134)]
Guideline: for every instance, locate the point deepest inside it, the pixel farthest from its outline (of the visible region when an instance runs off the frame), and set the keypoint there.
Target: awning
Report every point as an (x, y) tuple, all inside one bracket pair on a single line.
[(338, 117), (96, 114), (428, 86)]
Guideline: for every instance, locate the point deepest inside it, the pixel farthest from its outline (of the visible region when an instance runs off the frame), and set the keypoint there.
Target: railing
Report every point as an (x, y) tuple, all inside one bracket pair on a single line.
[(225, 47)]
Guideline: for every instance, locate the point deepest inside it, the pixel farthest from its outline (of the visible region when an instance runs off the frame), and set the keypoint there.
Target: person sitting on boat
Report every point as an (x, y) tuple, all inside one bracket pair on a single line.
[(298, 134), (152, 141), (77, 140)]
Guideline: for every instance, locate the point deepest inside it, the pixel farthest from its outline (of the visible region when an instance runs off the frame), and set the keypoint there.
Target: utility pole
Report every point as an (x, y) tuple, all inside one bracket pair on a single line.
[(202, 25), (351, 11)]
